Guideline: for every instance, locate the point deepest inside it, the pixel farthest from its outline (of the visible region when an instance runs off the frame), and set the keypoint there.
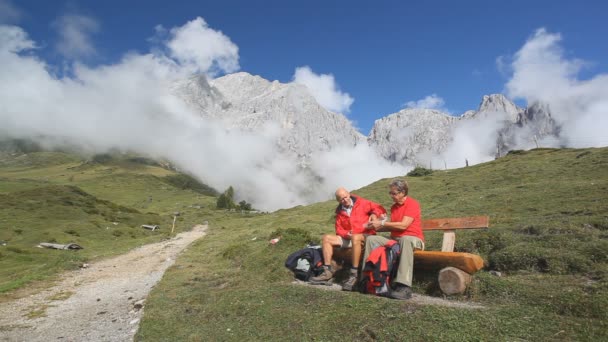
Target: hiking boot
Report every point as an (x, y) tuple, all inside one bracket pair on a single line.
[(350, 283), (401, 292), (325, 276)]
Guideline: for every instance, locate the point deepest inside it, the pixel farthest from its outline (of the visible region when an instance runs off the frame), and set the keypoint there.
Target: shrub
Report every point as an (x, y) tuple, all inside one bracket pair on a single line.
[(296, 237), (71, 232), (226, 200), (243, 205), (419, 171), (184, 182), (15, 249), (101, 158)]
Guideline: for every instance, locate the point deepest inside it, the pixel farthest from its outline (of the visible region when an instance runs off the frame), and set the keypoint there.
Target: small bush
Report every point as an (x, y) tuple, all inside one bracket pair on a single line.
[(243, 205), (143, 161), (419, 171), (101, 158), (15, 249), (293, 237), (186, 182), (71, 232), (582, 154), (526, 257)]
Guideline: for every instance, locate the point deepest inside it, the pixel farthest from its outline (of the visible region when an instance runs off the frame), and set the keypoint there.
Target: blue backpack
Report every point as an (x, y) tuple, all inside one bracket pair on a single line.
[(306, 263)]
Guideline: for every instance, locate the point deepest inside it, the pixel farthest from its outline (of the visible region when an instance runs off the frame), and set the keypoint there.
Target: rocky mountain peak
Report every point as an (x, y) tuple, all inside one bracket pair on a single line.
[(249, 102), (198, 93), (498, 103), (404, 135)]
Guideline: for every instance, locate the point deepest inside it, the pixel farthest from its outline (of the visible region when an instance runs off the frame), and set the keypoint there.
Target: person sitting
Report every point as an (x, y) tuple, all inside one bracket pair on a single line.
[(353, 215), (406, 228)]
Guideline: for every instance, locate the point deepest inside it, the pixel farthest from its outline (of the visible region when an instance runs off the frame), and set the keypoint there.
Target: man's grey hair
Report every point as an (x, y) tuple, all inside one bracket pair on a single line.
[(400, 184)]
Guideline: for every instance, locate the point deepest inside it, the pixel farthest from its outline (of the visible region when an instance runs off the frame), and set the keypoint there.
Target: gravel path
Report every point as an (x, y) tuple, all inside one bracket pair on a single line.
[(103, 302), (416, 298)]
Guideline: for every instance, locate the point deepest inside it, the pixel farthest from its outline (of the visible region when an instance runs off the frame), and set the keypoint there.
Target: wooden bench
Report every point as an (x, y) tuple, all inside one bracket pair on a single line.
[(455, 268)]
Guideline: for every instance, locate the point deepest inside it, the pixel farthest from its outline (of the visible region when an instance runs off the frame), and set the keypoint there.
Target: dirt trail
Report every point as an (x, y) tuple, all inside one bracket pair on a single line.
[(102, 302), (416, 298)]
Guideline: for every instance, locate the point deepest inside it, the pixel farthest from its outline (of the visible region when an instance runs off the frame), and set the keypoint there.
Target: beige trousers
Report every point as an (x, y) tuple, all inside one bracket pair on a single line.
[(406, 261)]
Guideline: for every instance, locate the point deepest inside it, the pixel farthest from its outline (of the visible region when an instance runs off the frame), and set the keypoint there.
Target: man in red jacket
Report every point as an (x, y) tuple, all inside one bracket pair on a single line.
[(406, 228), (352, 217)]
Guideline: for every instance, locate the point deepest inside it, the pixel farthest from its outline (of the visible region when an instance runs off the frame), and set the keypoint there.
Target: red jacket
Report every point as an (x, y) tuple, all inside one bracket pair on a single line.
[(359, 215)]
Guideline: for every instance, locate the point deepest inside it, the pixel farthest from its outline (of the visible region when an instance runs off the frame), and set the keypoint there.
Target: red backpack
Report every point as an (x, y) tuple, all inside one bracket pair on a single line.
[(380, 268)]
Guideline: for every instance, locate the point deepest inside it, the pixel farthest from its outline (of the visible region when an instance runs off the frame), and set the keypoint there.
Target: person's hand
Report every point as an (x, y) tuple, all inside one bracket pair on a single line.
[(375, 224)]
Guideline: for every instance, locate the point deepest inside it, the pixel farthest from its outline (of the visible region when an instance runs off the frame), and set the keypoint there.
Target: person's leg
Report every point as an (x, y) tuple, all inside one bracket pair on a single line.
[(357, 241), (405, 271), (328, 242), (356, 244), (371, 242)]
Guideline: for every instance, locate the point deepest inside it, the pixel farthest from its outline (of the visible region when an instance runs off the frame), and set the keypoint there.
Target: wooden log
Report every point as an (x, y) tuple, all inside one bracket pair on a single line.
[(435, 260), (428, 260), (474, 222), (453, 281)]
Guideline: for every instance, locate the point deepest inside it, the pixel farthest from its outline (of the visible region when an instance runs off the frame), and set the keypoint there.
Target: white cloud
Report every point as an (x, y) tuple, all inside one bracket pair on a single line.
[(503, 66), (128, 106), (202, 49), (8, 12), (14, 39), (473, 142), (75, 32), (430, 102), (542, 73), (337, 167), (325, 90)]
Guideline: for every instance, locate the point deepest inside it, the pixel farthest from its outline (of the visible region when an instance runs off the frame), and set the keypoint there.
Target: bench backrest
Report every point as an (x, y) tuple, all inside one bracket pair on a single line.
[(448, 225)]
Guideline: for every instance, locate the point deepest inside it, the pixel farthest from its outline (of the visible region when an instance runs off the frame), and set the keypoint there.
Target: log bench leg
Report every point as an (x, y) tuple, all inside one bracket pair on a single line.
[(453, 280)]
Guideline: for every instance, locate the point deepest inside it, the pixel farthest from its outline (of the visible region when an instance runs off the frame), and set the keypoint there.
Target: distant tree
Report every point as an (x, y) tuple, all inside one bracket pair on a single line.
[(226, 199), (243, 205)]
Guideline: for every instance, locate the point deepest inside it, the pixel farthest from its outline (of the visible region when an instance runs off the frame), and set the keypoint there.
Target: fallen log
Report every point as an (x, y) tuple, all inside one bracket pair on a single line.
[(453, 280), (60, 246)]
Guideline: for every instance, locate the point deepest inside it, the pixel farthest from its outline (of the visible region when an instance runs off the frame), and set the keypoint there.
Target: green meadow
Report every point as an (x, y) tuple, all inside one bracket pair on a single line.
[(99, 205), (548, 238)]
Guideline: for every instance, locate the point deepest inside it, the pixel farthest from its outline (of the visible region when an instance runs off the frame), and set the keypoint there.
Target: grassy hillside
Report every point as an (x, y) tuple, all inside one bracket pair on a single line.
[(549, 238), (99, 204)]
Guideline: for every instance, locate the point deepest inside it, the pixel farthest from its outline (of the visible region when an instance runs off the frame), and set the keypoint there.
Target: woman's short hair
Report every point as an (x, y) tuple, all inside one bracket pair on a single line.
[(400, 184)]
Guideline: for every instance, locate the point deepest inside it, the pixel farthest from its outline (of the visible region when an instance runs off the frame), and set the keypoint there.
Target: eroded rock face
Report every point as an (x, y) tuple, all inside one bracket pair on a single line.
[(251, 103), (408, 134), (498, 103), (404, 135), (533, 125)]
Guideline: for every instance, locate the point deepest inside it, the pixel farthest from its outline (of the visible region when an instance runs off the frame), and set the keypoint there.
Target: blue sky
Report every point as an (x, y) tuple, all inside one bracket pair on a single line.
[(382, 53)]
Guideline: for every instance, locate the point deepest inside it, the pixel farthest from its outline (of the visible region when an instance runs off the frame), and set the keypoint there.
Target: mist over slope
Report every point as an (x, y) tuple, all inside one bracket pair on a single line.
[(266, 137), (130, 106)]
